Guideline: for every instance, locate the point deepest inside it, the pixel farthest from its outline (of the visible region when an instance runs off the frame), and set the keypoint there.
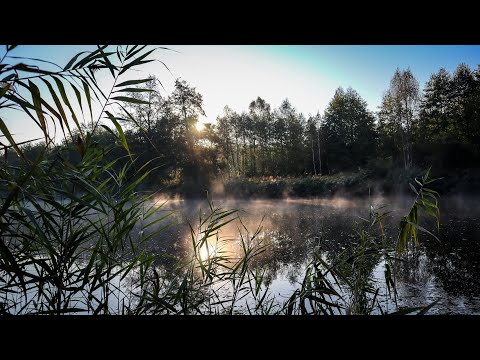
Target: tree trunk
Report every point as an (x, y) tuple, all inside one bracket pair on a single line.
[(313, 156), (253, 159), (319, 157)]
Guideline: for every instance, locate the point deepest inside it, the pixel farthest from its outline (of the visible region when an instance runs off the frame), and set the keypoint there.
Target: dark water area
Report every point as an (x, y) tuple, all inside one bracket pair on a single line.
[(447, 270)]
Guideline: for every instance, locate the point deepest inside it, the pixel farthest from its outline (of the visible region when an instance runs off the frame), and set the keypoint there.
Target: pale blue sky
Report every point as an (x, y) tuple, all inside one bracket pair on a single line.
[(307, 75)]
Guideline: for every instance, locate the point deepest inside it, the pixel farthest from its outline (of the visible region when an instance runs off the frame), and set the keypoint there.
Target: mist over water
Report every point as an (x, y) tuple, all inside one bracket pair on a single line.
[(293, 228)]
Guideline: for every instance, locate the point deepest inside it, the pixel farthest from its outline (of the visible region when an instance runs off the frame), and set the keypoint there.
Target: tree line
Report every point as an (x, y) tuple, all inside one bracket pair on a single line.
[(409, 129), (439, 126)]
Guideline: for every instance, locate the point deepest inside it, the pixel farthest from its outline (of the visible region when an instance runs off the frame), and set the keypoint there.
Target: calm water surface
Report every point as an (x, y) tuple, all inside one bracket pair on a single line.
[(447, 271)]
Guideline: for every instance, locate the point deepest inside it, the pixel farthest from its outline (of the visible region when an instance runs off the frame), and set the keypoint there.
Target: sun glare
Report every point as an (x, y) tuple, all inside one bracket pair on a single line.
[(199, 126), (216, 248), (207, 252)]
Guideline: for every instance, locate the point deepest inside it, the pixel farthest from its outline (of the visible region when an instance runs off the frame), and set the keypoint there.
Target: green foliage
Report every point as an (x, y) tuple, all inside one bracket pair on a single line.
[(69, 229), (67, 235), (427, 201), (262, 141), (444, 120), (280, 187), (349, 130)]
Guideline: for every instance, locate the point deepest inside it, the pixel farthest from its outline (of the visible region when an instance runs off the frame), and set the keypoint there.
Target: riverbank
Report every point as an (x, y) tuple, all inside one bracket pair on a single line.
[(355, 184), (351, 184)]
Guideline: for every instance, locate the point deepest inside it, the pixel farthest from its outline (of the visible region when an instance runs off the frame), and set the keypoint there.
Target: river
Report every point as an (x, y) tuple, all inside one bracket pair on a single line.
[(446, 271)]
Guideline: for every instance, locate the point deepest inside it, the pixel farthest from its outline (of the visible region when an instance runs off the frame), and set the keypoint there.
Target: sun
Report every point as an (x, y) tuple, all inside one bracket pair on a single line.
[(199, 126)]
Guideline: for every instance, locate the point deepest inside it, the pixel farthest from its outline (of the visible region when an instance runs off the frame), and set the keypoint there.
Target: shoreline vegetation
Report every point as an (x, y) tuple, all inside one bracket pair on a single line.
[(357, 185)]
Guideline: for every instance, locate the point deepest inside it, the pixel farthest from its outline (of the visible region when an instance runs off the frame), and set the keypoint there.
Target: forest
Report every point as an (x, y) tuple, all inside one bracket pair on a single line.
[(414, 128)]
